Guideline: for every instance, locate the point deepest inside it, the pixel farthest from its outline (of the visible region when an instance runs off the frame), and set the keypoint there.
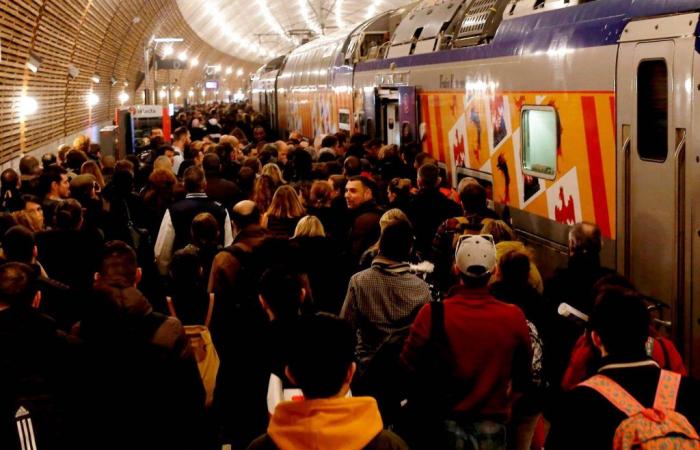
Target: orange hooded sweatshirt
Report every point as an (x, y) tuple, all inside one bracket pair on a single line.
[(334, 423)]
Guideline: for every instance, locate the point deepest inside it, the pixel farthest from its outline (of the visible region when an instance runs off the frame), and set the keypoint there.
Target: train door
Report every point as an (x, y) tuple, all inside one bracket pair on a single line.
[(389, 116), (654, 88)]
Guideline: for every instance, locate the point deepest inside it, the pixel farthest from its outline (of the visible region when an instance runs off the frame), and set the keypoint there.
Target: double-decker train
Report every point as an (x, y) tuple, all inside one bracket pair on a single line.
[(571, 110)]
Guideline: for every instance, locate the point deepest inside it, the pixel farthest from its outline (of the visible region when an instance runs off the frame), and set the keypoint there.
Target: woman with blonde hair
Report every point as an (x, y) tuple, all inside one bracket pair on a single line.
[(388, 217), (309, 226), (263, 190), (284, 212), (273, 171), (506, 240), (92, 168)]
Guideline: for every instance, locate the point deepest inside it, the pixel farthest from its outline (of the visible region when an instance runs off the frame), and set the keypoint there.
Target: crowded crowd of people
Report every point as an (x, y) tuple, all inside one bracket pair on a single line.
[(354, 299)]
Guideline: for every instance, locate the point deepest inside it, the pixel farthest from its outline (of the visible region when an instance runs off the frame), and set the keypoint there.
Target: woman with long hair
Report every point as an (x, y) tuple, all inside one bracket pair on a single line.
[(273, 171), (263, 191), (91, 167), (284, 212)]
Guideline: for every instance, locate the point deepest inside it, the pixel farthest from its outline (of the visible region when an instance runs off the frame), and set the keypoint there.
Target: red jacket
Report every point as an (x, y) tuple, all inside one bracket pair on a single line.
[(491, 344)]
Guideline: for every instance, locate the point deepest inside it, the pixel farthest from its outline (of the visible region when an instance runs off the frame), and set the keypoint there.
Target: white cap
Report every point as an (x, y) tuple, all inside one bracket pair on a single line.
[(476, 255)]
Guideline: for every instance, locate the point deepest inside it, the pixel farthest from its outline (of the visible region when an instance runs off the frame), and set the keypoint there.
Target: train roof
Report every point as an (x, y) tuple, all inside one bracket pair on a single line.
[(533, 26)]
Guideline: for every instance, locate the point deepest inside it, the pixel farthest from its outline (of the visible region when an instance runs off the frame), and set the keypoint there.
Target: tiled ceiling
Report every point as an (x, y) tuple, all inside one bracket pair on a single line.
[(259, 30)]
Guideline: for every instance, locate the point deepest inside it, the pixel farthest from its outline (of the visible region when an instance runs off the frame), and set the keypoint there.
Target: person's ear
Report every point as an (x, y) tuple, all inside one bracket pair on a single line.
[(96, 277), (350, 373), (289, 375), (35, 252), (37, 300), (597, 342), (139, 274)]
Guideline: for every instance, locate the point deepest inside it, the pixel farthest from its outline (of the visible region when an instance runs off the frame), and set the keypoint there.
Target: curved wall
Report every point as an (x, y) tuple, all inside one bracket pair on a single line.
[(96, 36)]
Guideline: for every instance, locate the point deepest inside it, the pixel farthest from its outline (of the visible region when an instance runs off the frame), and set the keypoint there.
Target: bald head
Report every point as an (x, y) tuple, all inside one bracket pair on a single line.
[(585, 239), (245, 213)]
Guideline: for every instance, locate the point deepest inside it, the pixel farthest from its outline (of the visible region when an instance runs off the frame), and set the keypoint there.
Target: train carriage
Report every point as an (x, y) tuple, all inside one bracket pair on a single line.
[(570, 110)]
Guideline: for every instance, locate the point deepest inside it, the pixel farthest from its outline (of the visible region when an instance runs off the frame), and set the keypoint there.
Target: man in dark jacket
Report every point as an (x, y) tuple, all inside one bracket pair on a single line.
[(321, 365), (142, 383), (174, 232), (218, 188), (429, 208), (365, 214), (585, 419)]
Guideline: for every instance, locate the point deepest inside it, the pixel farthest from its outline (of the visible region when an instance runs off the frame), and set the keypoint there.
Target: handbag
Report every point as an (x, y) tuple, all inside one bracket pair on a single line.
[(140, 237), (202, 345)]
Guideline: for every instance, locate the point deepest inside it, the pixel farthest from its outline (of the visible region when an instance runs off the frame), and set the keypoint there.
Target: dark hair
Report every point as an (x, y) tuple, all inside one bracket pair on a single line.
[(118, 264), (179, 133), (429, 174), (194, 179), (423, 158), (281, 290), (396, 240), (18, 244), (329, 141), (75, 159), (29, 165), (352, 166), (339, 181), (204, 229), (69, 214), (51, 174), (9, 179), (17, 284), (254, 163), (29, 198), (621, 318), (211, 163), (514, 267), (366, 182), (473, 198), (185, 268), (321, 354)]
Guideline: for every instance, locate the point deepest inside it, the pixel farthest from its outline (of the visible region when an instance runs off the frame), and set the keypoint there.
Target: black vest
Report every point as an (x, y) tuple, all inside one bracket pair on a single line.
[(183, 212)]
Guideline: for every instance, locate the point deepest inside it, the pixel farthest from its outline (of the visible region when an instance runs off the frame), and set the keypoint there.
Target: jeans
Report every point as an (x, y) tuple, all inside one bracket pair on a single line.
[(482, 435)]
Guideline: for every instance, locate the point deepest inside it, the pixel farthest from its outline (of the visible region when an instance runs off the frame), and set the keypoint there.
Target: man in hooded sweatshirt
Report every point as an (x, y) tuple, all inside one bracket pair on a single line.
[(321, 364)]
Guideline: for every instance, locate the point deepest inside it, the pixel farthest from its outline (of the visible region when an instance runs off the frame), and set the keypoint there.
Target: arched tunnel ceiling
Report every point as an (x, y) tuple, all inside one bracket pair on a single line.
[(103, 37), (259, 30)]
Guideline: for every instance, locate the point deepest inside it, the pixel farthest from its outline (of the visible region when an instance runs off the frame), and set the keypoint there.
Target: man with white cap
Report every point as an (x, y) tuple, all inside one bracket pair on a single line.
[(487, 356)]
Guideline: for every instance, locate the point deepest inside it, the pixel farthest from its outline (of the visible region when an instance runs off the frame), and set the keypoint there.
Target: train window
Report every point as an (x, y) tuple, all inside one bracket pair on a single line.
[(539, 141), (652, 110)]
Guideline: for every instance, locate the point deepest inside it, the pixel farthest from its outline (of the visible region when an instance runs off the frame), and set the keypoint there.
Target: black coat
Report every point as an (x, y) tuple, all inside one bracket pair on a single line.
[(426, 211)]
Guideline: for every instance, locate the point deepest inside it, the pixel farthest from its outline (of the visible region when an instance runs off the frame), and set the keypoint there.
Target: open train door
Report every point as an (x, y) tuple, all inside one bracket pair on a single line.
[(657, 236), (389, 121)]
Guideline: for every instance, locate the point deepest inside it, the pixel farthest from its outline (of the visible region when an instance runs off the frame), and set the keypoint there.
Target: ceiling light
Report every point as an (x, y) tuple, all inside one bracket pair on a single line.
[(194, 62), (168, 50), (177, 94), (239, 72), (92, 99), (126, 83), (190, 93), (229, 70), (95, 79), (310, 22), (182, 56), (217, 68), (339, 14), (136, 20), (33, 62), (27, 106), (228, 93), (123, 97), (162, 94), (167, 40), (204, 92)]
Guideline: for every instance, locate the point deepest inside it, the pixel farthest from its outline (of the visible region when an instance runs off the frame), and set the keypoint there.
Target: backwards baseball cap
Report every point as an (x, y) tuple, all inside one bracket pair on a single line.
[(476, 255)]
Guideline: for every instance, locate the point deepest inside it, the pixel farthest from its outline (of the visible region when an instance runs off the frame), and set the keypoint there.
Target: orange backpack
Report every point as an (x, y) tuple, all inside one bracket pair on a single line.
[(655, 428)]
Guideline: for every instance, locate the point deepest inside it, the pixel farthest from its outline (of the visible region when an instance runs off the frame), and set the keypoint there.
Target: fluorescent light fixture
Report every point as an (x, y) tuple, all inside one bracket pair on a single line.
[(33, 62), (239, 96), (95, 79), (168, 50), (27, 106), (73, 71), (229, 70), (168, 40), (126, 83), (217, 68), (182, 56), (92, 99), (123, 97)]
